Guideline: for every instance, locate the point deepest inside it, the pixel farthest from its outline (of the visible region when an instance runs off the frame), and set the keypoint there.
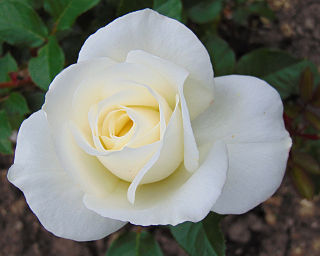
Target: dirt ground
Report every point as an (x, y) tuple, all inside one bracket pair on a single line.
[(285, 225), (296, 28)]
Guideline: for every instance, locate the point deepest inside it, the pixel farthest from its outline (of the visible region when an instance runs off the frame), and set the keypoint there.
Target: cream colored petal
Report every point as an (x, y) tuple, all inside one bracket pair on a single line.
[(167, 158), (51, 194), (176, 77), (156, 34), (181, 197), (123, 77), (247, 116), (198, 97)]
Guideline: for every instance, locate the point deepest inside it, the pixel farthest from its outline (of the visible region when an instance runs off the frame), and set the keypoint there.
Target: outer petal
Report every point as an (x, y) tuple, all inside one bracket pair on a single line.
[(255, 173), (198, 97), (247, 115), (151, 32), (49, 191), (181, 197), (245, 109)]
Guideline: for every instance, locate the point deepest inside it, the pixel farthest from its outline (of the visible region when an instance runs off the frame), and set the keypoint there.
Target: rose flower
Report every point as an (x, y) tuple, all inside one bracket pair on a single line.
[(140, 131)]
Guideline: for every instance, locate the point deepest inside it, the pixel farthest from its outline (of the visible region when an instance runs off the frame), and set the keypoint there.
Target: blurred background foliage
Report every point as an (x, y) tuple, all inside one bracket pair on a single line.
[(38, 38)]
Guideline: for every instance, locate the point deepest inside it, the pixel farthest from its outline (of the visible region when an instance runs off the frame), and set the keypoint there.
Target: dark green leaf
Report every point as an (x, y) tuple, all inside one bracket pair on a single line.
[(148, 246), (170, 8), (261, 9), (202, 238), (7, 65), (5, 128), (126, 6), (5, 133), (20, 24), (35, 4), (313, 118), (306, 161), (278, 68), (205, 11), (222, 56), (6, 146), (242, 13), (292, 110), (303, 182), (306, 85), (35, 100), (1, 46), (131, 244), (65, 12), (125, 245), (15, 120), (47, 64), (316, 97), (16, 103), (240, 16), (212, 227)]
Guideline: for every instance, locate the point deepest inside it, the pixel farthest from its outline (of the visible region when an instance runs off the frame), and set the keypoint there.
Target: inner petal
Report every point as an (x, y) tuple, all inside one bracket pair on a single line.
[(116, 129), (116, 124)]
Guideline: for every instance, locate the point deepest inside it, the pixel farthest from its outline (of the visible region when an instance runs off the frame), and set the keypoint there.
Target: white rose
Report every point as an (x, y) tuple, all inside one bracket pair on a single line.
[(138, 130)]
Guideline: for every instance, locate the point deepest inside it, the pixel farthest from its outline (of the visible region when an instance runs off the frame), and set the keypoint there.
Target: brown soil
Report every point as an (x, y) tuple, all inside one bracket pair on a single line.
[(296, 28)]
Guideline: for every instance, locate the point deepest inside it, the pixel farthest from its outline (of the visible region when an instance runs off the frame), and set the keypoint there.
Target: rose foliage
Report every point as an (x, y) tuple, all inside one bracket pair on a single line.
[(140, 131)]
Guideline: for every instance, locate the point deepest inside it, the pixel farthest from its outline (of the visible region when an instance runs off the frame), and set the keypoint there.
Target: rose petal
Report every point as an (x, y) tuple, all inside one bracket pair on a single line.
[(245, 109), (156, 34), (167, 158), (65, 84), (247, 115), (181, 197), (255, 173), (85, 169), (176, 77), (49, 191), (127, 162)]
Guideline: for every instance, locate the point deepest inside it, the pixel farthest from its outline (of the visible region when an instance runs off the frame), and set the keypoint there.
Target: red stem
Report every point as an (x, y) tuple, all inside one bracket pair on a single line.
[(15, 81), (308, 136)]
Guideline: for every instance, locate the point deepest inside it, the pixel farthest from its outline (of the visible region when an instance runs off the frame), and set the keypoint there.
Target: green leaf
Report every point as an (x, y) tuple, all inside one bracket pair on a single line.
[(65, 12), (16, 103), (5, 128), (1, 46), (20, 24), (126, 6), (7, 65), (306, 85), (5, 132), (35, 4), (278, 68), (314, 119), (203, 238), (125, 245), (306, 162), (6, 146), (243, 12), (35, 100), (47, 64), (170, 8), (303, 182), (261, 9), (130, 244), (316, 97), (205, 11), (222, 56)]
